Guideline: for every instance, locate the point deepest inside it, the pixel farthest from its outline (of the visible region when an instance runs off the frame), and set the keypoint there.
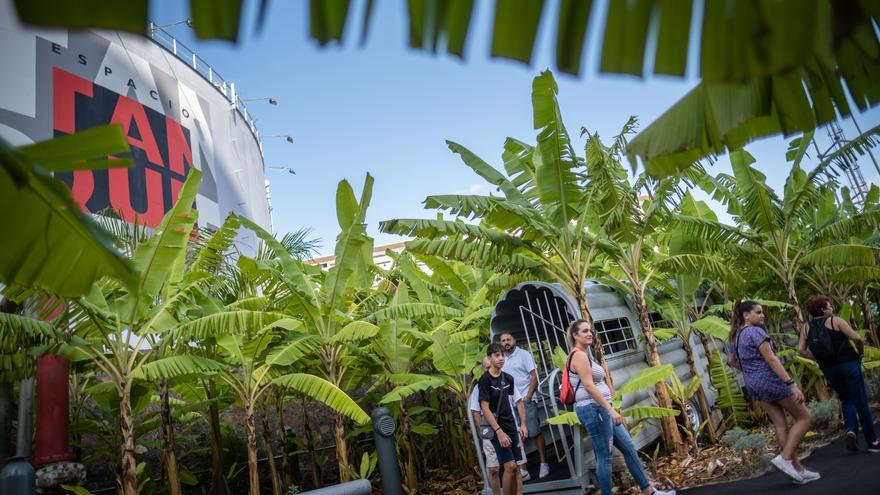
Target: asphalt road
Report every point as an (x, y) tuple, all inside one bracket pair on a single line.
[(843, 473)]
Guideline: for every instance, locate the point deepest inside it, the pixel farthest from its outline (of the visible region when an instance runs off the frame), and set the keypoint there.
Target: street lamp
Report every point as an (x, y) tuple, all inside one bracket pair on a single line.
[(286, 137), (188, 22), (289, 170), (272, 101)]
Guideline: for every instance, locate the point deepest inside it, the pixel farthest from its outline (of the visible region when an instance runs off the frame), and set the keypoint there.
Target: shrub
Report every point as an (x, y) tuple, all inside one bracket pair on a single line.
[(825, 413), (741, 440)]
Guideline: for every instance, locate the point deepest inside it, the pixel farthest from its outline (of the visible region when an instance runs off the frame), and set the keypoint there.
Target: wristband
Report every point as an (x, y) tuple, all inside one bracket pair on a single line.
[(496, 429), (790, 382)]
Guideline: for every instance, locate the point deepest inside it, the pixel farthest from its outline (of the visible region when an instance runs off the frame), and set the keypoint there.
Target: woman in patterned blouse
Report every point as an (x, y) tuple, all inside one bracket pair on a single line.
[(750, 350)]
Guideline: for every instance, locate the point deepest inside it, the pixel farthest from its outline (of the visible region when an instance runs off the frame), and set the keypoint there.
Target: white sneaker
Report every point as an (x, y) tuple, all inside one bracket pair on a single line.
[(787, 468), (809, 476), (525, 474), (661, 492), (544, 471)]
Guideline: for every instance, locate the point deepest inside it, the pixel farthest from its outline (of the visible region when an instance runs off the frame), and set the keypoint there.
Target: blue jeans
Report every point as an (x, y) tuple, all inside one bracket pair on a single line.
[(847, 380), (604, 433)]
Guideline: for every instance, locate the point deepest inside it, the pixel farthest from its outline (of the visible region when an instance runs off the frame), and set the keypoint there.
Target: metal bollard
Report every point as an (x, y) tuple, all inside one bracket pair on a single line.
[(17, 477), (383, 436), (356, 487), (25, 435)]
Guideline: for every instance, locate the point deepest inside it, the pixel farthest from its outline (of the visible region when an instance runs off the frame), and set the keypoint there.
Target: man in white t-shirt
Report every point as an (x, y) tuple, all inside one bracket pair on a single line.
[(492, 464), (521, 366)]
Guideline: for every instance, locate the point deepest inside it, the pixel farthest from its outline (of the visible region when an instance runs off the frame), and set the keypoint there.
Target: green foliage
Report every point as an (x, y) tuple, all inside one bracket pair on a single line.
[(645, 378), (48, 242), (742, 441), (825, 413), (730, 396)]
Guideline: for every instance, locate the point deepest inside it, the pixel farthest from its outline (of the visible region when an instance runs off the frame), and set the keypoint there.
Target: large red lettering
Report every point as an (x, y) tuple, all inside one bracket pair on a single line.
[(120, 195), (83, 187), (128, 109), (64, 88), (179, 152)]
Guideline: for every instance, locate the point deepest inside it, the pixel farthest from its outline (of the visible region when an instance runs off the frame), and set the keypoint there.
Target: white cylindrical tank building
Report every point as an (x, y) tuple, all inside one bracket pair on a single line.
[(175, 109)]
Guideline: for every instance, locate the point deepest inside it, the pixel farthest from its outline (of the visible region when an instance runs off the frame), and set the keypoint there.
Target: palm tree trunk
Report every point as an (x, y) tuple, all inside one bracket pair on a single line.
[(253, 467), (598, 353), (341, 447), (701, 395), (270, 452), (127, 462), (168, 442), (219, 486), (286, 471), (671, 436)]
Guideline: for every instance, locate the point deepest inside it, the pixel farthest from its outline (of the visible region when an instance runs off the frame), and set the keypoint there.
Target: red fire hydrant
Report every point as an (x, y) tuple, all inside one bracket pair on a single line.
[(53, 398)]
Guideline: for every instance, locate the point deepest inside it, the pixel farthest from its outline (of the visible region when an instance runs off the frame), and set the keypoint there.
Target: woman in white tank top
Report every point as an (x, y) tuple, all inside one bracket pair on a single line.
[(593, 408)]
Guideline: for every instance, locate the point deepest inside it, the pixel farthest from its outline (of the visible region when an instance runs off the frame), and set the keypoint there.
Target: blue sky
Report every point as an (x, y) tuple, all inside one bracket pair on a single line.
[(386, 109)]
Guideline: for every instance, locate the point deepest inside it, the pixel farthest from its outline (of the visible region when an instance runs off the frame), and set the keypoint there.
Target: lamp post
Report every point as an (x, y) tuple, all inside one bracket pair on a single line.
[(286, 137), (154, 27), (289, 170), (271, 100)]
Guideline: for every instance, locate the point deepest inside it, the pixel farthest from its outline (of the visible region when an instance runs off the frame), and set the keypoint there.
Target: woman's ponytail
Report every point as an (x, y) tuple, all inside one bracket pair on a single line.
[(737, 320)]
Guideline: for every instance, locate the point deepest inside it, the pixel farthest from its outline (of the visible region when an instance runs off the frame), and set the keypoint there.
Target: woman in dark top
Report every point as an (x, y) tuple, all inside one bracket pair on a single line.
[(843, 369), (749, 350)]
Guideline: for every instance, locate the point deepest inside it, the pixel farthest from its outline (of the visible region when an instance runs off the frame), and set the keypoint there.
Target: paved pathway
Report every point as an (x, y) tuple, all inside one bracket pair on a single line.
[(843, 473)]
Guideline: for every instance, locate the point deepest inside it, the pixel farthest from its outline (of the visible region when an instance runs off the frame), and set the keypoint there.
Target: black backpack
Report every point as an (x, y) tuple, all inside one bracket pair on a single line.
[(819, 341)]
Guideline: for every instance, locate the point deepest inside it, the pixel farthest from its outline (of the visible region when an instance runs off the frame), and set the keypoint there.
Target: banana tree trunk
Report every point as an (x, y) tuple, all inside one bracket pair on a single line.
[(865, 303), (314, 467), (253, 467), (168, 440), (341, 447), (410, 470), (127, 461), (671, 436), (465, 441), (270, 452), (286, 471), (705, 412), (598, 353), (219, 486)]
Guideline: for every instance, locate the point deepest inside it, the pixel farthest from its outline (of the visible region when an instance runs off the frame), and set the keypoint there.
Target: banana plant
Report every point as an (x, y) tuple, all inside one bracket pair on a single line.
[(536, 226), (44, 227), (113, 324), (771, 229), (256, 350), (681, 394), (730, 396), (325, 302)]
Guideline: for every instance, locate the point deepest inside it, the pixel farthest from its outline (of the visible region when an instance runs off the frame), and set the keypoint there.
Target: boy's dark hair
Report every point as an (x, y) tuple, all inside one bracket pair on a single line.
[(493, 348)]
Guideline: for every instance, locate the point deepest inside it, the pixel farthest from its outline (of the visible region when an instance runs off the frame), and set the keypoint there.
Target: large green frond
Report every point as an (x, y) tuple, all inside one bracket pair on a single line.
[(323, 391), (232, 322), (48, 242), (844, 255), (554, 157), (177, 366)]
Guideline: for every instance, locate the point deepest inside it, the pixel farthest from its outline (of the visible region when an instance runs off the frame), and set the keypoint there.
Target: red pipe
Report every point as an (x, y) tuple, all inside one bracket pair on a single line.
[(53, 399)]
